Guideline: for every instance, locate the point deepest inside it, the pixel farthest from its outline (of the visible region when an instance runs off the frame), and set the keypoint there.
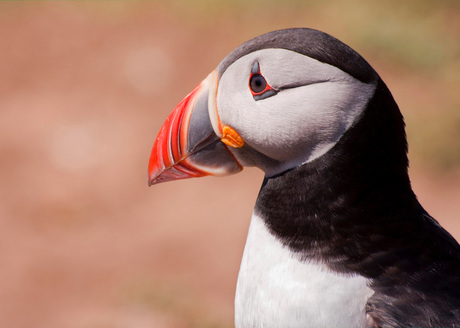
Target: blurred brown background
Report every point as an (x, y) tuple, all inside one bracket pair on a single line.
[(84, 89)]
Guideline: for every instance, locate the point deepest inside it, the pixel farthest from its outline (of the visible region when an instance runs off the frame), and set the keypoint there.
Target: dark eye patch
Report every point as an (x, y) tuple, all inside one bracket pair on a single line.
[(258, 85)]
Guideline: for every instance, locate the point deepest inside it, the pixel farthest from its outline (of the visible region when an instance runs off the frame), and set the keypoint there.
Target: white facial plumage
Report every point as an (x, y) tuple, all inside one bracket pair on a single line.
[(314, 105)]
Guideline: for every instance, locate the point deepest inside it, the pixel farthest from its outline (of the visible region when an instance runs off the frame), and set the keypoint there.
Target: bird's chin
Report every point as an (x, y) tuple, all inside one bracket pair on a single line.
[(190, 142)]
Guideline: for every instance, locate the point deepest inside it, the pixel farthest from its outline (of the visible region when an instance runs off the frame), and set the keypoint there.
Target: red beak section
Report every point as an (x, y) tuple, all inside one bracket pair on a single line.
[(166, 160), (186, 146)]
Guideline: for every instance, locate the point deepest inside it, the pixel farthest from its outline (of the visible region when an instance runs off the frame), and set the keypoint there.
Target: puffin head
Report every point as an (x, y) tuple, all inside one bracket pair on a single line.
[(278, 101)]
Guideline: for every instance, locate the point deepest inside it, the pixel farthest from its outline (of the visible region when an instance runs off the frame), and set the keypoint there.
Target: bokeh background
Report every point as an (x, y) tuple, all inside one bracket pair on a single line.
[(84, 89)]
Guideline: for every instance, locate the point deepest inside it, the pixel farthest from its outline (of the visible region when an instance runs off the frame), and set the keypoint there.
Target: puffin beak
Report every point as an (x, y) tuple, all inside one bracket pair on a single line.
[(187, 145)]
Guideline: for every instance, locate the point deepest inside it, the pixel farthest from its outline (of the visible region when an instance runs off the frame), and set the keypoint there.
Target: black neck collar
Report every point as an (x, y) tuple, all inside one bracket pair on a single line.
[(353, 206)]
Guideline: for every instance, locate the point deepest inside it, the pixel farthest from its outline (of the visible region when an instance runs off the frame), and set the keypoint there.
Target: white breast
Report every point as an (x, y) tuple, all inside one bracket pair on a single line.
[(276, 289)]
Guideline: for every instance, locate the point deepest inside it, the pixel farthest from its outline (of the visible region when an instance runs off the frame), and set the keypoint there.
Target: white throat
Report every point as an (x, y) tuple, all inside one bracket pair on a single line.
[(276, 289)]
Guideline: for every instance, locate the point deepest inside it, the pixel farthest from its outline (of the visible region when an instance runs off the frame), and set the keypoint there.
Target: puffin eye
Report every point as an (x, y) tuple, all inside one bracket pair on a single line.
[(260, 89), (257, 83)]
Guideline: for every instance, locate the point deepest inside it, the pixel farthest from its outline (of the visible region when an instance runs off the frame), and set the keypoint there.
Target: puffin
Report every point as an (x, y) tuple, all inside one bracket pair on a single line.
[(337, 237)]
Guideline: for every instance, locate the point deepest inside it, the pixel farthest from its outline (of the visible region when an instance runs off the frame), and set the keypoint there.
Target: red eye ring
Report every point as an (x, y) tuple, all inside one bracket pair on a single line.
[(258, 85)]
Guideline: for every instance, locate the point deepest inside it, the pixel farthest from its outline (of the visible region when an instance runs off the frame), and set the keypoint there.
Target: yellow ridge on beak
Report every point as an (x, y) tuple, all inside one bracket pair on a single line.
[(231, 138)]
